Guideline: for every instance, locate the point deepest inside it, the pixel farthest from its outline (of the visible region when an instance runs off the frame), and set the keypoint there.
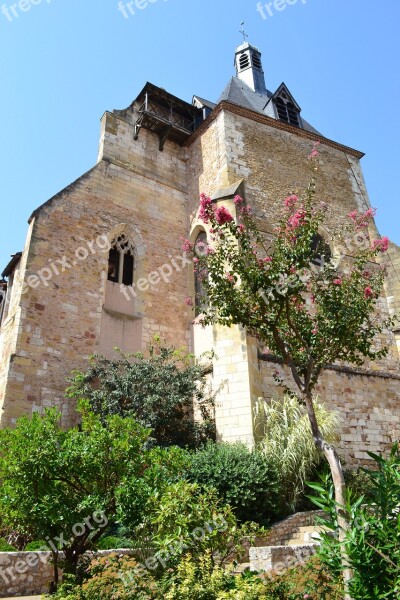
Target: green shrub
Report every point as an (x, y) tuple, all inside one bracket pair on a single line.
[(112, 542), (186, 517), (157, 390), (37, 545), (200, 579), (114, 576), (244, 479), (6, 547), (359, 482), (373, 539)]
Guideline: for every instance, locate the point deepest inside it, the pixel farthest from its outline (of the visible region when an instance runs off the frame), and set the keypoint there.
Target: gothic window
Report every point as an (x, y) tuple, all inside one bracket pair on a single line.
[(287, 111), (200, 275), (321, 251), (121, 261)]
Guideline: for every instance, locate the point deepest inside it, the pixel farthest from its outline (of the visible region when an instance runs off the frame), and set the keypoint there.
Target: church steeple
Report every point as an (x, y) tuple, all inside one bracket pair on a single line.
[(249, 67)]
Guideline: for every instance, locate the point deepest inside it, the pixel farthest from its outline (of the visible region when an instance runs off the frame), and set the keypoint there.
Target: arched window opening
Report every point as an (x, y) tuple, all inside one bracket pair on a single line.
[(3, 292), (121, 261), (200, 274), (321, 250)]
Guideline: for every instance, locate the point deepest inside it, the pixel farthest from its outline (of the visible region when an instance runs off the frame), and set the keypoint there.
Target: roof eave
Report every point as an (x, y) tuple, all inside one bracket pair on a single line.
[(10, 268), (256, 116)]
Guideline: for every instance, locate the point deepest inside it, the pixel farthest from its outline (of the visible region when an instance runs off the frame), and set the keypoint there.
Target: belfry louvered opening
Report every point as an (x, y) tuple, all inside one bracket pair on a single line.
[(257, 61), (244, 61)]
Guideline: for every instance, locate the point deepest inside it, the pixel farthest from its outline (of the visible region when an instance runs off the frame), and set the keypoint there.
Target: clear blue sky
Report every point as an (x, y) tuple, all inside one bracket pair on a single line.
[(64, 62)]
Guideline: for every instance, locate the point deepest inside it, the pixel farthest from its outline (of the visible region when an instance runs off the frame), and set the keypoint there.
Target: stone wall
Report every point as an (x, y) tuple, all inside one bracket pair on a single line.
[(29, 573), (56, 325), (368, 405), (277, 559), (283, 531)]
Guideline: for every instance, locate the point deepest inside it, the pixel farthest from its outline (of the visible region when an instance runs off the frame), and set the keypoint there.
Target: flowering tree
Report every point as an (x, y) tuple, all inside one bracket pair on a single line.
[(310, 307)]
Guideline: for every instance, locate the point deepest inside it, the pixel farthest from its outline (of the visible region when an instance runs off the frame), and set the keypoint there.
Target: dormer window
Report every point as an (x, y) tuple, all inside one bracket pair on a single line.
[(287, 111)]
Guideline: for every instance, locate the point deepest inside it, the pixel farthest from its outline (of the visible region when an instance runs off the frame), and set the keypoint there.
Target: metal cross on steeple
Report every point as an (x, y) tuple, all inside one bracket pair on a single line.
[(242, 31)]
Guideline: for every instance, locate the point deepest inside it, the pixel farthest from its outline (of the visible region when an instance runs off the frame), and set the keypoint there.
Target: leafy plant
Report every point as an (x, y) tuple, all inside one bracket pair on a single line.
[(64, 486), (187, 518), (39, 545), (283, 426), (111, 542), (158, 391), (114, 576), (6, 547), (245, 479), (373, 539)]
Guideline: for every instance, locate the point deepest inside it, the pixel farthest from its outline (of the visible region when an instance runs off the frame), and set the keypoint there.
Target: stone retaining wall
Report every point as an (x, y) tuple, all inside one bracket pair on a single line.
[(279, 558), (30, 573), (282, 532)]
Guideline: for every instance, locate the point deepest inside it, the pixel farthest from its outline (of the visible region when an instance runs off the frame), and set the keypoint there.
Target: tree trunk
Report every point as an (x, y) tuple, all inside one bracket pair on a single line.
[(339, 486), (54, 583)]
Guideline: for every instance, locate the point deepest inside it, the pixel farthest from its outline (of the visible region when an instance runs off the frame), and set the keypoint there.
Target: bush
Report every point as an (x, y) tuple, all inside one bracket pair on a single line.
[(373, 540), (6, 547), (157, 391), (112, 542), (36, 545), (200, 579), (114, 576), (287, 443), (244, 479), (186, 518)]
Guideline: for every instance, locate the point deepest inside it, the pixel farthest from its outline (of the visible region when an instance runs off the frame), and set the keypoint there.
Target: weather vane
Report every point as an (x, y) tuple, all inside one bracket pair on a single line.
[(242, 31)]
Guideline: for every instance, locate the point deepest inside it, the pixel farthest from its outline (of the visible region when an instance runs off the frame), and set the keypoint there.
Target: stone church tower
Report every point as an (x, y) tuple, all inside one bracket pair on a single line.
[(103, 264)]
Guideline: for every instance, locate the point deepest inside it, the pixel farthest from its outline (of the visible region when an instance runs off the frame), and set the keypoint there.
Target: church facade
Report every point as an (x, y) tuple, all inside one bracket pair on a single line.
[(103, 265)]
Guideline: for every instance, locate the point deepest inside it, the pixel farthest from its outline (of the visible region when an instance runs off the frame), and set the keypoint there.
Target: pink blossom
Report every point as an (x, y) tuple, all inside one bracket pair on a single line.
[(267, 259), (313, 154), (297, 219), (222, 216), (206, 208), (195, 260), (238, 200), (362, 219), (314, 331), (210, 251), (368, 293), (313, 298), (337, 281), (246, 210), (230, 277), (241, 228), (189, 301), (382, 245), (290, 201), (187, 246), (293, 270)]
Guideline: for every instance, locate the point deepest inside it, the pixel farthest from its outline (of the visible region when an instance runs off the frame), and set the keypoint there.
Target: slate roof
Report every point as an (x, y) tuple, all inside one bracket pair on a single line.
[(239, 93)]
